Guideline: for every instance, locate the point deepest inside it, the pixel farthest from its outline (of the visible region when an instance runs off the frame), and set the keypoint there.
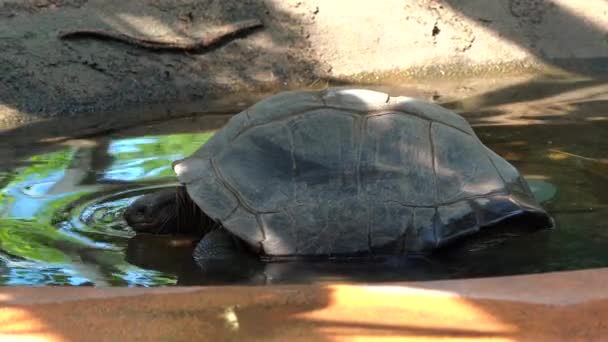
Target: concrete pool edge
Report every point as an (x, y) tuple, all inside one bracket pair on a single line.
[(538, 306)]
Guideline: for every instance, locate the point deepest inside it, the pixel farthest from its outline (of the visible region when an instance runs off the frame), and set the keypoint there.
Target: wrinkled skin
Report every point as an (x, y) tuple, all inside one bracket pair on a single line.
[(153, 213), (173, 212), (167, 211)]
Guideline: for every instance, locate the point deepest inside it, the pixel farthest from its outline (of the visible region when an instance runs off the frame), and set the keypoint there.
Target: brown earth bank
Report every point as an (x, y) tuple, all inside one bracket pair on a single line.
[(435, 49)]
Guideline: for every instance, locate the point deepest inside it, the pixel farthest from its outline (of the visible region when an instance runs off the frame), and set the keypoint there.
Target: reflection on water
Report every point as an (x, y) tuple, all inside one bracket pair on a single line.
[(60, 215)]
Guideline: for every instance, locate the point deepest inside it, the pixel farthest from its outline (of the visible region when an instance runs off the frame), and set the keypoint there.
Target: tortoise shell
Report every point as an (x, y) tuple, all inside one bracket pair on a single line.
[(351, 172)]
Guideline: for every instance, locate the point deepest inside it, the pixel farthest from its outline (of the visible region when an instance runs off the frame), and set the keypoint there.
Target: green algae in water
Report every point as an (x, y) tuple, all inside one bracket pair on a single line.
[(43, 240)]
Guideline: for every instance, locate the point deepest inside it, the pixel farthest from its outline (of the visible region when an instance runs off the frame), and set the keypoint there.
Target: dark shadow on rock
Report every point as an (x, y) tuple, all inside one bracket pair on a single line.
[(554, 35), (541, 100), (540, 87), (546, 29)]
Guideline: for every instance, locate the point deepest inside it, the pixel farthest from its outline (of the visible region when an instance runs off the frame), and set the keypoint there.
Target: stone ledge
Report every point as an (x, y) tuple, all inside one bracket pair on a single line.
[(550, 306)]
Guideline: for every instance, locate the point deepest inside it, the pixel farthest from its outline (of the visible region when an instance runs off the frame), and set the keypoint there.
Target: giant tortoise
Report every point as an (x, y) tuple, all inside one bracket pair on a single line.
[(338, 173)]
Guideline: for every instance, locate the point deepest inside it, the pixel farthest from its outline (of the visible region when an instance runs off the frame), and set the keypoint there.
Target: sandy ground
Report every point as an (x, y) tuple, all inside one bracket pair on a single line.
[(303, 44)]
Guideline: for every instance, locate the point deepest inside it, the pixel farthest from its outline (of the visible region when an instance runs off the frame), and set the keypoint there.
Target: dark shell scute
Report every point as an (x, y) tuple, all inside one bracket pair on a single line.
[(324, 171), (346, 227), (282, 106), (280, 235), (245, 225), (397, 160), (421, 236), (462, 166), (431, 112), (507, 172), (207, 192), (367, 101), (515, 183), (223, 137), (455, 220), (494, 208), (389, 223), (258, 166), (328, 228), (360, 100)]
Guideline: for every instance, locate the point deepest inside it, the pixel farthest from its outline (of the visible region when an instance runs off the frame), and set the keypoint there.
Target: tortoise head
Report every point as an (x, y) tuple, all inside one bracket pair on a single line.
[(169, 211)]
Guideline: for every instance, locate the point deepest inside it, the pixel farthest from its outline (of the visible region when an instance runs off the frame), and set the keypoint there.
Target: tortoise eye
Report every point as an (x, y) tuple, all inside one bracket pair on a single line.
[(141, 210)]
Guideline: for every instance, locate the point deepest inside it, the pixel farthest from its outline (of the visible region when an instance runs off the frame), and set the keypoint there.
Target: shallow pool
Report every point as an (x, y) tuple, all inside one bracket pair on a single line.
[(61, 206)]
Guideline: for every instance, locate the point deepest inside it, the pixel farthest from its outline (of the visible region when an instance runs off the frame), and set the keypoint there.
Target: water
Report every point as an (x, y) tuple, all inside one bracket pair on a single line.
[(60, 213)]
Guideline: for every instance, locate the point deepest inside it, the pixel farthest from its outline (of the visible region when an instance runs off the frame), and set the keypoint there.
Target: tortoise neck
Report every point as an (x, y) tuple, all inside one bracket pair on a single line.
[(191, 219)]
